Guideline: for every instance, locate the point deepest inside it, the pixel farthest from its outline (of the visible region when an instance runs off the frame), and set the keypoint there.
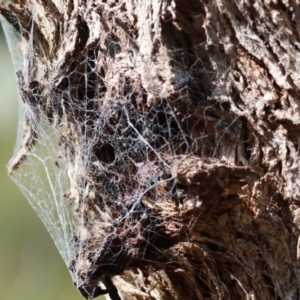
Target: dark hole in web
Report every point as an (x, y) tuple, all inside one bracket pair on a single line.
[(105, 153)]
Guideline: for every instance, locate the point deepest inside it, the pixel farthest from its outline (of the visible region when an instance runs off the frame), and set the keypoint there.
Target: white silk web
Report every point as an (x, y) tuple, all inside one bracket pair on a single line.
[(36, 166)]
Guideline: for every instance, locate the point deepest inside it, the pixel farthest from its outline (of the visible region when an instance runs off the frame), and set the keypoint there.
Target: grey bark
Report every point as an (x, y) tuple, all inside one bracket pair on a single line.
[(223, 79)]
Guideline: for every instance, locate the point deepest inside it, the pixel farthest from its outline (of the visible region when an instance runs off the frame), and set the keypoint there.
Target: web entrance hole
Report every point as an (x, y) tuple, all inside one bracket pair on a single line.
[(105, 153)]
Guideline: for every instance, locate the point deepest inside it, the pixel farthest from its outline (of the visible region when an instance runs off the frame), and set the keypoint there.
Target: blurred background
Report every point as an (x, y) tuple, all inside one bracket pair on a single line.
[(30, 265)]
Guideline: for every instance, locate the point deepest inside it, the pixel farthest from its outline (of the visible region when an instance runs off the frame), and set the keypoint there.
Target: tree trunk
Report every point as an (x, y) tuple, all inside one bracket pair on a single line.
[(179, 124)]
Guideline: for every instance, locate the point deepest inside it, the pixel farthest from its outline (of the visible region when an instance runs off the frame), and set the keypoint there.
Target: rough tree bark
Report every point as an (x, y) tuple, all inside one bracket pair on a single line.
[(218, 83)]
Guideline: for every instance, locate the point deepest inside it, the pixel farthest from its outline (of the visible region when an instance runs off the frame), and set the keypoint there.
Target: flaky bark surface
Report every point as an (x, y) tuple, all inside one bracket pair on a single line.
[(220, 80)]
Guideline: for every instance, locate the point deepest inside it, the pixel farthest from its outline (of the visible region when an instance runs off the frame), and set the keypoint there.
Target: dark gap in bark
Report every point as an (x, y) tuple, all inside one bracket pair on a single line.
[(235, 95), (70, 7), (186, 7), (205, 290), (187, 58), (92, 78), (113, 45), (212, 247), (278, 105), (102, 87), (269, 284), (83, 36), (246, 138)]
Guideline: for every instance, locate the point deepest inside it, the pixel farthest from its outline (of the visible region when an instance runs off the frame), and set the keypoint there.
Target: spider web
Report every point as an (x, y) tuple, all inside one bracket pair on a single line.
[(100, 154), (42, 180)]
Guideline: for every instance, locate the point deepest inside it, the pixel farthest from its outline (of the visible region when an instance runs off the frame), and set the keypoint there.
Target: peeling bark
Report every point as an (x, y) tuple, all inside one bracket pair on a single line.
[(211, 91)]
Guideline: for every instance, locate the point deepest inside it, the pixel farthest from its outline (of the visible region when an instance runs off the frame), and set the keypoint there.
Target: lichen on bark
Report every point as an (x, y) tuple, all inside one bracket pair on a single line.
[(179, 122)]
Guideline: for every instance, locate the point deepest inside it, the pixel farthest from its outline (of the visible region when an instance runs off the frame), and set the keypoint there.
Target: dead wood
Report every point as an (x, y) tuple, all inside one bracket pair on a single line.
[(199, 104)]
